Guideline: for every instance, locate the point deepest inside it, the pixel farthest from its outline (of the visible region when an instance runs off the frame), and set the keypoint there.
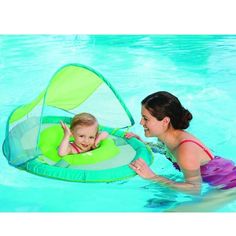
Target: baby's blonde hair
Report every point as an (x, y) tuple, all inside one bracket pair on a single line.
[(83, 119)]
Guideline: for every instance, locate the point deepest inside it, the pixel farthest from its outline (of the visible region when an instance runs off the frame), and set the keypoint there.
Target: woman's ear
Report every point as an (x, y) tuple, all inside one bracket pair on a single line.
[(166, 121)]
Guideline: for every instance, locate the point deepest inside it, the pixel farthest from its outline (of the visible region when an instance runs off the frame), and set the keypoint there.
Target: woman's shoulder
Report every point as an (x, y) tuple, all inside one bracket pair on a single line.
[(192, 149), (187, 157), (188, 140)]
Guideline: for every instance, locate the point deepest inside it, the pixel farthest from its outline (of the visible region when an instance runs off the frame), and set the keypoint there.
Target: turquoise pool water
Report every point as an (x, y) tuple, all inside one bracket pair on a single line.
[(199, 69)]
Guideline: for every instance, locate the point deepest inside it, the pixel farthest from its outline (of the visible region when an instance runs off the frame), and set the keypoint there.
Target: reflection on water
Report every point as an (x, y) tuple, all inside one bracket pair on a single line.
[(215, 201), (210, 200)]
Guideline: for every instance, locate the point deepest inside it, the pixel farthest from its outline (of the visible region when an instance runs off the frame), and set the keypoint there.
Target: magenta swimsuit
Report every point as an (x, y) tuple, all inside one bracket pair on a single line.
[(75, 147), (218, 171)]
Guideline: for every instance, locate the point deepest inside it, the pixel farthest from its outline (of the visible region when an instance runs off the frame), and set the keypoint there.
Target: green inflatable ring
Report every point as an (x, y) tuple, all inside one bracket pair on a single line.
[(51, 137), (72, 167)]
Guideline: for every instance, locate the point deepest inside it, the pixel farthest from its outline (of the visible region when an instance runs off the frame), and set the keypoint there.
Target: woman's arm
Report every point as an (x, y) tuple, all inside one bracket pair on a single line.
[(192, 183), (131, 135), (65, 147)]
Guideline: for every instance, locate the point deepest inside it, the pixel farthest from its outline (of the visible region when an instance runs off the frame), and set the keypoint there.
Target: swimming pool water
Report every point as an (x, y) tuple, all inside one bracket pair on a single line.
[(199, 69)]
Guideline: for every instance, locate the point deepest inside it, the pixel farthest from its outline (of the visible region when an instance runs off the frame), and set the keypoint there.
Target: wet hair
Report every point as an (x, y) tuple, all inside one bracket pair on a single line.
[(162, 104), (83, 119)]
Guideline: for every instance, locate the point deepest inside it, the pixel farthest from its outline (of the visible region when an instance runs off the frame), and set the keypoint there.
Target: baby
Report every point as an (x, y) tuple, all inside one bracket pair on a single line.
[(84, 129)]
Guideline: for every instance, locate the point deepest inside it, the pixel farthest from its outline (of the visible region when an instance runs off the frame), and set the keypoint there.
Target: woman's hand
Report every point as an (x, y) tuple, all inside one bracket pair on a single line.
[(132, 135), (142, 169), (66, 129)]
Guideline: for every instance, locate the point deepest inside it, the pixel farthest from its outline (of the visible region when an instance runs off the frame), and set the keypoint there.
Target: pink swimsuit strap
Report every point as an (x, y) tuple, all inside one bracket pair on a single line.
[(75, 147), (203, 148)]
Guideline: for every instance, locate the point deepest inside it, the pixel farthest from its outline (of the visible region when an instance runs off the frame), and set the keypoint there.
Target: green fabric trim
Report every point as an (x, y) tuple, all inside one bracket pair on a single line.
[(56, 119), (73, 175)]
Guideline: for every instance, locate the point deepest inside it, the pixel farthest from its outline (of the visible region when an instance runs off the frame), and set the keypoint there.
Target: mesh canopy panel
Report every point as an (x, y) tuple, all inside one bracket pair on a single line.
[(73, 89), (21, 140)]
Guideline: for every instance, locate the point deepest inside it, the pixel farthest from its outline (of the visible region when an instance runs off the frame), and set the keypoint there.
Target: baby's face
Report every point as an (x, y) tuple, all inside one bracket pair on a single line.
[(85, 136)]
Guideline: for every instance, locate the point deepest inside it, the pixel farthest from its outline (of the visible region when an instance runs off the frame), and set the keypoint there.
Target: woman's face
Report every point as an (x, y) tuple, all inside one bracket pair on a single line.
[(152, 126)]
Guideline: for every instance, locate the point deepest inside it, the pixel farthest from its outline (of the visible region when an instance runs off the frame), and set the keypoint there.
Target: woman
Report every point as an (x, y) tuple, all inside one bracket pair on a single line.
[(164, 117)]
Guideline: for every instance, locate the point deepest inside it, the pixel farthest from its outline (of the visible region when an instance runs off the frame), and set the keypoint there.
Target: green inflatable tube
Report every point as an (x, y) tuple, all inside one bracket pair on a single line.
[(51, 137), (71, 167)]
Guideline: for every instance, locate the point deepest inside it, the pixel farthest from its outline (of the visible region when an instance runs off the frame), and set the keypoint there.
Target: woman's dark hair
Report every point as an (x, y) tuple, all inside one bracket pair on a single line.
[(162, 104)]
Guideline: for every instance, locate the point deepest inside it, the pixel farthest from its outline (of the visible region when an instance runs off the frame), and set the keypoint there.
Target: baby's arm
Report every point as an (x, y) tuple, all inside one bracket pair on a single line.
[(65, 147), (101, 136)]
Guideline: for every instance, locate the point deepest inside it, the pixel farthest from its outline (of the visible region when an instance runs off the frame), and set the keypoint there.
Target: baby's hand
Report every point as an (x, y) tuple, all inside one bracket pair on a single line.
[(132, 135), (99, 138), (66, 129)]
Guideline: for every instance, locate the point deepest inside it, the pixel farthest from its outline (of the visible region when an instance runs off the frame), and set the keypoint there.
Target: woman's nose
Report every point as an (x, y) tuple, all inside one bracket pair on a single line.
[(141, 122)]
